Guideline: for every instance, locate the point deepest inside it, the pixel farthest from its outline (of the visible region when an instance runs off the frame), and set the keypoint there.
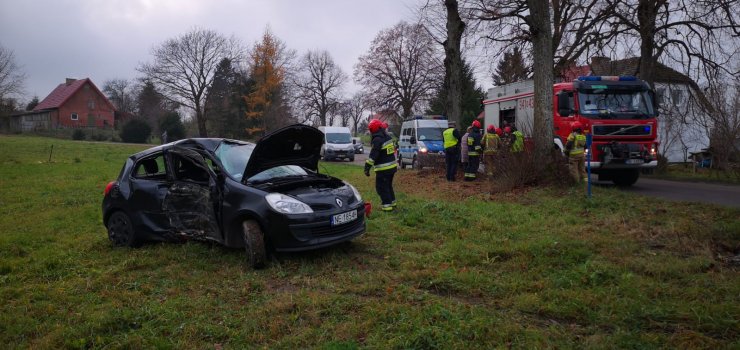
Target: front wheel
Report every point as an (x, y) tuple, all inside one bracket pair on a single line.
[(415, 163), (254, 244), (121, 231), (400, 162)]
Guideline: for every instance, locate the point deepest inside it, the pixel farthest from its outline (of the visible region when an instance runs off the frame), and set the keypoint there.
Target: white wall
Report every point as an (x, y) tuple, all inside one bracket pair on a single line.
[(682, 126)]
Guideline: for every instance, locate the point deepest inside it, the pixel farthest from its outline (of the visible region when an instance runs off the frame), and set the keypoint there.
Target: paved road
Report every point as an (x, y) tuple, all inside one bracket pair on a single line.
[(727, 195)]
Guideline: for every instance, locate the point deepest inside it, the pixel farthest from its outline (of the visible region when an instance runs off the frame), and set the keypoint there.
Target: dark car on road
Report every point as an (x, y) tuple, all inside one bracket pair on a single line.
[(260, 197), (357, 143)]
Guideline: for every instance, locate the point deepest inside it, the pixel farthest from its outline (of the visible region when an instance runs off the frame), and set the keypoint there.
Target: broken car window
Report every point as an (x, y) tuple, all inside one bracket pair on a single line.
[(151, 168)]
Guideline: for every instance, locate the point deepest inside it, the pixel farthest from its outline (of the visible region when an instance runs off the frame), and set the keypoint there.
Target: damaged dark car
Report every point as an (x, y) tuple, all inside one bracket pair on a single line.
[(260, 197)]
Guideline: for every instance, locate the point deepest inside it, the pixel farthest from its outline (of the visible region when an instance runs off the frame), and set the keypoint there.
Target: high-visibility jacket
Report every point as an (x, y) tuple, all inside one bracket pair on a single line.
[(451, 137), (474, 146), (518, 144), (491, 143), (383, 153), (577, 144)]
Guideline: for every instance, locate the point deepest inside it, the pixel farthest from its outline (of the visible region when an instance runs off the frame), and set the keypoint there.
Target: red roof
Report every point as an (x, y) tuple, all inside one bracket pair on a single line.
[(63, 92)]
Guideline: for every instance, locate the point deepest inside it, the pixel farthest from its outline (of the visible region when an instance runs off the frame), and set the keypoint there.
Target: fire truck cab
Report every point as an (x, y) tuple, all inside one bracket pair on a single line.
[(619, 112)]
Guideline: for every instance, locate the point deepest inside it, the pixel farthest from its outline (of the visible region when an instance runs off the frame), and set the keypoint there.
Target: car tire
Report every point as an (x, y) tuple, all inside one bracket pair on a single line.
[(415, 164), (254, 244), (400, 162), (352, 159), (121, 230)]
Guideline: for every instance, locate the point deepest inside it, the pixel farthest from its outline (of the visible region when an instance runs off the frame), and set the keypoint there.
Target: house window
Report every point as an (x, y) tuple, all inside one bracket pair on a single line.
[(677, 97), (74, 116), (91, 104), (660, 95)]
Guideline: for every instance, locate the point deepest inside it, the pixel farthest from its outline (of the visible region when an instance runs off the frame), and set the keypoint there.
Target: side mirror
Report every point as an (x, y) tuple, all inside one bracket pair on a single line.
[(354, 142), (564, 108), (412, 140)]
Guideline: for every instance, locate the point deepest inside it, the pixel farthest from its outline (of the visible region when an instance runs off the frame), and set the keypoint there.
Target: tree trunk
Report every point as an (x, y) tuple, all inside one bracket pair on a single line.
[(646, 15), (539, 24), (453, 62)]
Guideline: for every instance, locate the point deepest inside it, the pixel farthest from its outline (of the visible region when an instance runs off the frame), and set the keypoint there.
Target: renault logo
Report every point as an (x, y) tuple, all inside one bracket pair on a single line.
[(339, 202)]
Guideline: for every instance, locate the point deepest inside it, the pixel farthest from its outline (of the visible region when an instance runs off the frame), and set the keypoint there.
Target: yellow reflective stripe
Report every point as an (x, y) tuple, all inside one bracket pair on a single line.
[(370, 161), (472, 153), (385, 166)]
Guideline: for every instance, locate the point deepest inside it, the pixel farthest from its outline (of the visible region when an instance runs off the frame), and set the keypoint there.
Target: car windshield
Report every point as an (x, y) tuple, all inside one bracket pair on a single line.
[(429, 134), (278, 172), (338, 138), (234, 157), (615, 104)]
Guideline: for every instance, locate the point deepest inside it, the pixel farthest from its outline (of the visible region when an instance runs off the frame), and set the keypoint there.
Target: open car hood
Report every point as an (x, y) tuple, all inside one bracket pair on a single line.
[(296, 144)]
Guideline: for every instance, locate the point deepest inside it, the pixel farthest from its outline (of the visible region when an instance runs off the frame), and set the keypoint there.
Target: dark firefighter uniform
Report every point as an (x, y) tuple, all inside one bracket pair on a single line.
[(474, 152), (382, 159), (451, 139)]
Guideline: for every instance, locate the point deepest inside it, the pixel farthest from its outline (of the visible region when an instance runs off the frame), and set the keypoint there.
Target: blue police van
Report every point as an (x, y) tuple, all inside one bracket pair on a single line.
[(420, 143)]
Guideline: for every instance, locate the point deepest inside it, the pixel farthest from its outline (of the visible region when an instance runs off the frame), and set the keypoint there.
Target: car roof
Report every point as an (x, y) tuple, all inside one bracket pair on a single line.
[(209, 144)]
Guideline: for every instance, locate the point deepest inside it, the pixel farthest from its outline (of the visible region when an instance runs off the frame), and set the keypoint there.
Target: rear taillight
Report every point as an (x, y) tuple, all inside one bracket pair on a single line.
[(108, 187)]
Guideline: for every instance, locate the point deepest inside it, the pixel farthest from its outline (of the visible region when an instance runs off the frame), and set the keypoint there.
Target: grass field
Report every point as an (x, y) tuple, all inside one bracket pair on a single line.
[(531, 269)]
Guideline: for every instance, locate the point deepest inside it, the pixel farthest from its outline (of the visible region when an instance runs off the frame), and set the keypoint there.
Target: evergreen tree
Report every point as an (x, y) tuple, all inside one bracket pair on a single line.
[(32, 104), (471, 98), (225, 107), (511, 68)]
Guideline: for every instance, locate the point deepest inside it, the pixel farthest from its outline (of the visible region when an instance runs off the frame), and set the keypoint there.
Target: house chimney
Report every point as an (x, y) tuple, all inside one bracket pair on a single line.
[(70, 81)]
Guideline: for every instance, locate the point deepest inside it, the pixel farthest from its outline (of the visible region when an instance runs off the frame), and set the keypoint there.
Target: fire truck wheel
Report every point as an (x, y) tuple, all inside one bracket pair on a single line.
[(626, 178)]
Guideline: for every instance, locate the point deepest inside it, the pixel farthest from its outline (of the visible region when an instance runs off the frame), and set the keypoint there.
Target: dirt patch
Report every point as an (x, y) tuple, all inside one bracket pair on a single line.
[(431, 184)]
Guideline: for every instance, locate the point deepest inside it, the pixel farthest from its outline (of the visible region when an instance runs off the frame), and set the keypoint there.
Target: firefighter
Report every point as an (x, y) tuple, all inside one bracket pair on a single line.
[(575, 151), (382, 159), (517, 140), (474, 149), (464, 149), (451, 141), (491, 144)]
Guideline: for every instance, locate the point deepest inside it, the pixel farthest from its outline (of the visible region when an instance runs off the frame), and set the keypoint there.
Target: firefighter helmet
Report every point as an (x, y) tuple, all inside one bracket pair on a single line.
[(476, 124), (491, 128), (385, 125), (507, 130), (499, 132), (374, 125), (577, 126)]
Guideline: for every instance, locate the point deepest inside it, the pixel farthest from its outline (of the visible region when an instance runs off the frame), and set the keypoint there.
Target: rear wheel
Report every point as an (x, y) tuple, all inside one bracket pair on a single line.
[(415, 163), (352, 159), (254, 244), (121, 231), (626, 178), (400, 162)]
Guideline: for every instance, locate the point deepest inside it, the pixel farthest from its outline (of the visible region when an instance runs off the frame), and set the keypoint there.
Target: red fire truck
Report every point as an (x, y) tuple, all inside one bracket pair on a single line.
[(619, 112)]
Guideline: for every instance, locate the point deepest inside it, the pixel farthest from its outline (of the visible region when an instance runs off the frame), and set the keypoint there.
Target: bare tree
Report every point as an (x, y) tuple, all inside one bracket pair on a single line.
[(183, 67), (318, 84), (122, 93), (12, 78), (698, 35), (724, 118), (354, 109), (401, 68), (579, 27)]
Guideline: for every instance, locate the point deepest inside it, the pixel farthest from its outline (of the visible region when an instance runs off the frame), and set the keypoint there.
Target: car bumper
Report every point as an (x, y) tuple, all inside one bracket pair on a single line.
[(599, 165), (313, 231), (339, 154)]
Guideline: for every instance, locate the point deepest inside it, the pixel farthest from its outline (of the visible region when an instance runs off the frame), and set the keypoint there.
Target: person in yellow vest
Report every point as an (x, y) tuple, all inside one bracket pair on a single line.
[(451, 139), (575, 151), (491, 144), (517, 144)]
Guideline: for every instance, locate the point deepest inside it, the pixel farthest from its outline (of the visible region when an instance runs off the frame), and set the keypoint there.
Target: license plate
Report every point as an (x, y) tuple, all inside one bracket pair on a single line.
[(635, 161), (344, 218)]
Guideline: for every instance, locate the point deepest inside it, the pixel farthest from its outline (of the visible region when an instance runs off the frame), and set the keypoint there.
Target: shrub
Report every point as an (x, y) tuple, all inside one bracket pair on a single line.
[(78, 135), (172, 124), (135, 131)]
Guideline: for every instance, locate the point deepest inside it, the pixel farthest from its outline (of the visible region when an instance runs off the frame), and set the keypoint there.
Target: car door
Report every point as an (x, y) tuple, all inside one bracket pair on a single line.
[(149, 185), (193, 200)]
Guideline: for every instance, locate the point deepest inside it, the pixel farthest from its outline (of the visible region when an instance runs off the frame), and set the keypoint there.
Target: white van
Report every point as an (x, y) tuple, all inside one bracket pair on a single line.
[(338, 143), (420, 143)]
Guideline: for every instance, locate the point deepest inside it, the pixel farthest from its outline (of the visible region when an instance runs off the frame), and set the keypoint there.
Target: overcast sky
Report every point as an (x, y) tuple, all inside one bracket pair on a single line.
[(106, 39)]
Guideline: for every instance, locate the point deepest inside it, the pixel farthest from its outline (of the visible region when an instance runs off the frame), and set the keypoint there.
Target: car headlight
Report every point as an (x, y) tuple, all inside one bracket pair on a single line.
[(286, 204), (355, 191)]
